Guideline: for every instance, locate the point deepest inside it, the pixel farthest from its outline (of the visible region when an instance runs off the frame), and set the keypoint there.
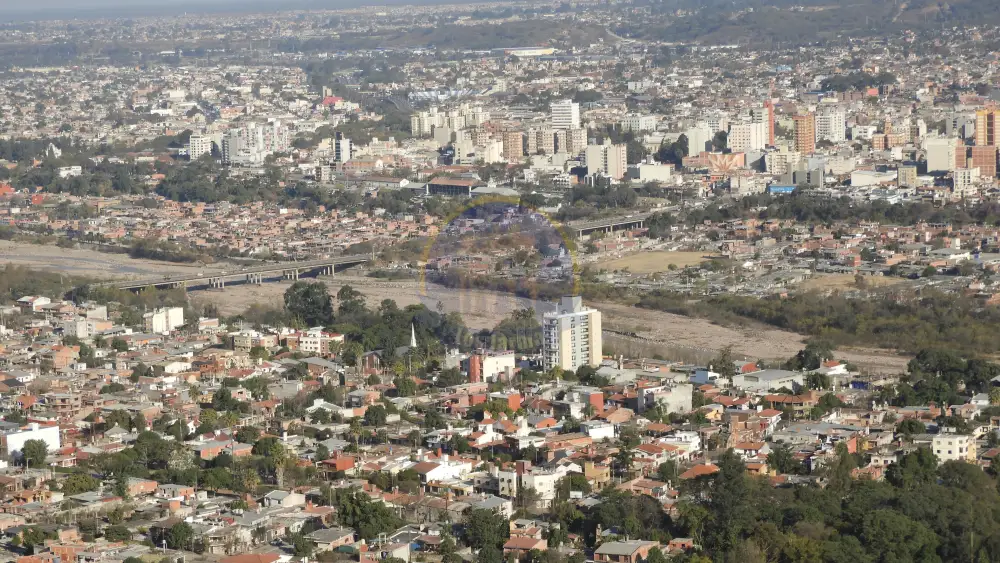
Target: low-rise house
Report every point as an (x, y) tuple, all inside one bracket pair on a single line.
[(634, 551), (329, 539)]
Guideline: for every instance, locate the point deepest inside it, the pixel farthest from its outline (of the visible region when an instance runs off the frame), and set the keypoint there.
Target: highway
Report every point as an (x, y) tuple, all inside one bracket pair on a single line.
[(254, 274)]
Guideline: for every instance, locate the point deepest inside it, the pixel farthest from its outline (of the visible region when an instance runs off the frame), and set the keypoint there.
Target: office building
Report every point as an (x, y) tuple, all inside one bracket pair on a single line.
[(987, 122), (804, 133), (607, 159), (565, 114), (343, 149), (571, 336), (831, 124)]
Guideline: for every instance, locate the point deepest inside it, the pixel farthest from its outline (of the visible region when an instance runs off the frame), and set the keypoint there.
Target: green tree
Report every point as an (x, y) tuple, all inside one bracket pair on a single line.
[(891, 536), (723, 364), (910, 426), (781, 460), (247, 435), (375, 415), (180, 536), (34, 452), (484, 529), (117, 532), (311, 302), (79, 483), (405, 386), (729, 504)]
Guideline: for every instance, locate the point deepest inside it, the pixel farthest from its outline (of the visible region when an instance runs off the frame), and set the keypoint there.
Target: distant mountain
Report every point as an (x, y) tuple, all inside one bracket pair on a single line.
[(803, 21)]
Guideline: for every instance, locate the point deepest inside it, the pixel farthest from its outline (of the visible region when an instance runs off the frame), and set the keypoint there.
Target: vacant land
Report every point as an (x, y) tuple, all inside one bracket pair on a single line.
[(90, 263), (652, 262), (672, 336), (823, 282)]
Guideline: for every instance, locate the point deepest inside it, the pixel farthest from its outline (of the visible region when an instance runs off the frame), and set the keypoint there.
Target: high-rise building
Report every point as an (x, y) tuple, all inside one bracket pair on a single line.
[(576, 141), (985, 159), (513, 146), (804, 133), (965, 182), (199, 146), (987, 127), (343, 149), (747, 136), (545, 141), (253, 142), (565, 114), (943, 154), (607, 159), (717, 121), (571, 336), (781, 161), (638, 122), (906, 176), (831, 124), (769, 116), (699, 138)]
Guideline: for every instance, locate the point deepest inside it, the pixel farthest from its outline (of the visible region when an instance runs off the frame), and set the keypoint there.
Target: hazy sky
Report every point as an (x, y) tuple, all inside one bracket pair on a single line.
[(68, 9)]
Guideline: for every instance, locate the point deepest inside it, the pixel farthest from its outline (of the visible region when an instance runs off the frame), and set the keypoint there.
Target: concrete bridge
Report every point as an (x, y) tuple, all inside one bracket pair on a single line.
[(253, 275)]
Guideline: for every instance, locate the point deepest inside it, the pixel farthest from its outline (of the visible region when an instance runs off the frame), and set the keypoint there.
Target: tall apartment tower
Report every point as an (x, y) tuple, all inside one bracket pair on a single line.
[(571, 336), (804, 134), (607, 159), (769, 108), (987, 124), (831, 124), (199, 146), (343, 149), (565, 114), (513, 146)]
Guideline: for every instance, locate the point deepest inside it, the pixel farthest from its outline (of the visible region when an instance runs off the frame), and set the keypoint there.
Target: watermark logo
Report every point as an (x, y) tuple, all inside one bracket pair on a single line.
[(496, 256)]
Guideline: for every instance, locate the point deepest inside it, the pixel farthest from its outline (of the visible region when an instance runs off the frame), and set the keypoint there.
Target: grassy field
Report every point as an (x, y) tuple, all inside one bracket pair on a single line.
[(846, 281), (650, 262)]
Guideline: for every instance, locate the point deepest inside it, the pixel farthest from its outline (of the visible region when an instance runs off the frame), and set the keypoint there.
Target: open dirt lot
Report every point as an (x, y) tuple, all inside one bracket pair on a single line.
[(480, 309), (672, 335), (657, 261), (678, 337), (91, 263), (846, 281)]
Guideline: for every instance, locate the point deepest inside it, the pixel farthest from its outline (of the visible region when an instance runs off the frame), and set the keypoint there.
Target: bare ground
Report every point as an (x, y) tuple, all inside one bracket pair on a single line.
[(676, 334), (91, 263)]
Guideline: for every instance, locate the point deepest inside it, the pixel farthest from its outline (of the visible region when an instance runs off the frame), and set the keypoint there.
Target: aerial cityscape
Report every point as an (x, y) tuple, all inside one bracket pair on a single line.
[(552, 282)]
